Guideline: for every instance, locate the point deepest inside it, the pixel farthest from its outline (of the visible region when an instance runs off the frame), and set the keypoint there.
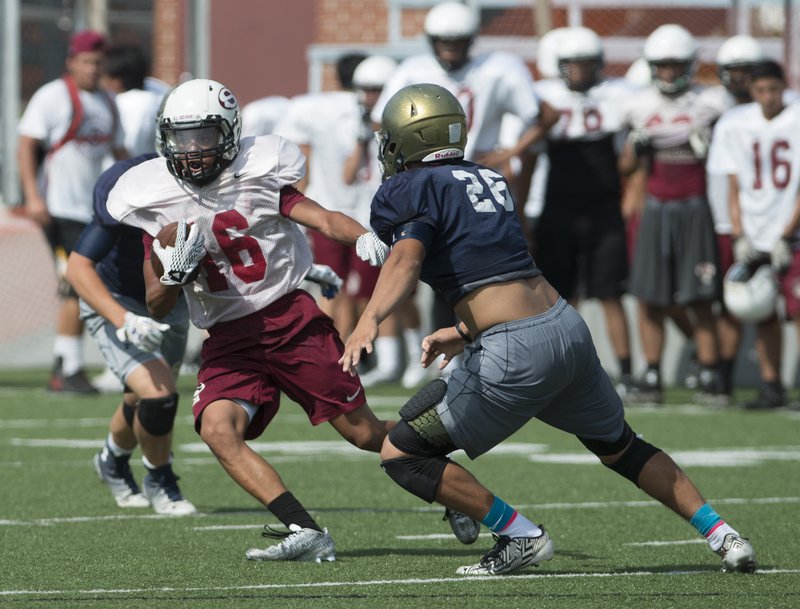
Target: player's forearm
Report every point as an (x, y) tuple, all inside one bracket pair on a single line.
[(734, 211), (342, 228), (396, 282), (83, 277), (26, 158)]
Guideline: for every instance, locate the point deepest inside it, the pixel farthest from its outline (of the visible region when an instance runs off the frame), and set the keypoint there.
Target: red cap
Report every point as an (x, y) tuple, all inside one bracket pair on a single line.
[(86, 41)]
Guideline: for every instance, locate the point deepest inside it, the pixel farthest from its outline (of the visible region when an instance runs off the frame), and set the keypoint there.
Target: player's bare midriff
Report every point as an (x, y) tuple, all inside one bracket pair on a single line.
[(503, 302)]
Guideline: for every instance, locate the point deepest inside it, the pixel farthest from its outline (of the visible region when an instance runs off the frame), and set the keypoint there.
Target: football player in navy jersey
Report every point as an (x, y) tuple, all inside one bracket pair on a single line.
[(527, 352), (105, 268)]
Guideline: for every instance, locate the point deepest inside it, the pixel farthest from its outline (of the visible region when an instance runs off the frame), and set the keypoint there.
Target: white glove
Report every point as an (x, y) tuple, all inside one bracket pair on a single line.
[(743, 250), (371, 249), (699, 141), (181, 260), (329, 282), (143, 333), (781, 256)]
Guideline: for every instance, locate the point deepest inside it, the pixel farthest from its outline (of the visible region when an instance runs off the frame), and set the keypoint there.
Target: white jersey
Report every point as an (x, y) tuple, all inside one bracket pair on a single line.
[(669, 121), (255, 253), (260, 117), (137, 113), (717, 184), (488, 86), (328, 123), (68, 174), (764, 155), (586, 140)]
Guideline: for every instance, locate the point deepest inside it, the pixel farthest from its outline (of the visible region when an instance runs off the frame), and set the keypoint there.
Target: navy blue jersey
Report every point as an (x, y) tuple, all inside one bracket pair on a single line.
[(115, 248), (464, 215)]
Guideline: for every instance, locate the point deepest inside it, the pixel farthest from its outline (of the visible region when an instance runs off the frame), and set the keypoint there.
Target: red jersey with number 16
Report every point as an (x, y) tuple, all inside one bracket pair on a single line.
[(256, 254)]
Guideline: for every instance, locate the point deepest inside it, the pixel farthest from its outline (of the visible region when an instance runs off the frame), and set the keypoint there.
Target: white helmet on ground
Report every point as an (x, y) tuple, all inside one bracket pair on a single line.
[(451, 20), (580, 44), (373, 72), (200, 128), (671, 43), (750, 296)]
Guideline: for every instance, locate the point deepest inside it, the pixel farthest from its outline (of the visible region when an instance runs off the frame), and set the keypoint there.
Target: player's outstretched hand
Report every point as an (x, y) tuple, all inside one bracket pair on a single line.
[(445, 341), (142, 332), (361, 339), (329, 282)]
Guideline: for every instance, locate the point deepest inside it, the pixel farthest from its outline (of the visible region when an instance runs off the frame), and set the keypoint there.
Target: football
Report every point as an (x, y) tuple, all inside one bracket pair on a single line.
[(166, 237)]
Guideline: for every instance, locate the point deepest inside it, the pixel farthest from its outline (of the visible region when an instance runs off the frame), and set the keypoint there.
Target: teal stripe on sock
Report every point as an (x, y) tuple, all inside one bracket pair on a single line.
[(499, 515), (705, 519)]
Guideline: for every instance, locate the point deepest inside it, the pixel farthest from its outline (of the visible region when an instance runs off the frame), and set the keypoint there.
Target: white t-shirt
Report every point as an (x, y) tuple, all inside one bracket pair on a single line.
[(764, 155), (328, 123), (137, 113), (488, 87), (67, 177), (256, 254), (261, 116)]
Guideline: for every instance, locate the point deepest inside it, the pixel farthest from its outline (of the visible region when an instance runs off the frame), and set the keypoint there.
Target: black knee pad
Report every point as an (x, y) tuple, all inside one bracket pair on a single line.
[(157, 415), (630, 464), (129, 413), (420, 476)]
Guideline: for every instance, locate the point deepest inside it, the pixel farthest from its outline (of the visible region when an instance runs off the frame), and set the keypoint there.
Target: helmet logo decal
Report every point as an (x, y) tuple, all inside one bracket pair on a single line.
[(440, 155), (454, 132), (226, 99)]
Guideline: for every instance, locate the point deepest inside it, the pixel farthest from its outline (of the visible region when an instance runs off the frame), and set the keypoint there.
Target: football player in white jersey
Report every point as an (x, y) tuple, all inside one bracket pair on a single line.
[(580, 237), (675, 262), (323, 126), (487, 85), (240, 266), (757, 146)]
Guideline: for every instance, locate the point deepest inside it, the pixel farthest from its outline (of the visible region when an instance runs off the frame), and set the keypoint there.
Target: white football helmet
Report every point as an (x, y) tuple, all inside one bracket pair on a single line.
[(580, 44), (742, 53), (200, 128), (451, 20), (546, 53), (671, 43), (750, 296), (373, 72), (456, 25)]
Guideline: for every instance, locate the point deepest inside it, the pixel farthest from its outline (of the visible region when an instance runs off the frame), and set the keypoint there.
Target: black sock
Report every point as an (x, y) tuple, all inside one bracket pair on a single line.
[(288, 510), (625, 365)]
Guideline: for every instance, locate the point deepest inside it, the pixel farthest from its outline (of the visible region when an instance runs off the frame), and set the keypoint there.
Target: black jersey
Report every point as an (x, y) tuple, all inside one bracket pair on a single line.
[(464, 215)]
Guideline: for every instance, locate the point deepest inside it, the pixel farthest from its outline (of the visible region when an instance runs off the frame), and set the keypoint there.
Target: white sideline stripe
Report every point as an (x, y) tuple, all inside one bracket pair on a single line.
[(432, 536), (380, 582), (529, 506), (230, 527), (681, 542)]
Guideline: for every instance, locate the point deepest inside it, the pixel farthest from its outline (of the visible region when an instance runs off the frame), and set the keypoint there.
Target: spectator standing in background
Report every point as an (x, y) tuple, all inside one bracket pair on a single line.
[(76, 124), (675, 261), (757, 147), (260, 117), (580, 238)]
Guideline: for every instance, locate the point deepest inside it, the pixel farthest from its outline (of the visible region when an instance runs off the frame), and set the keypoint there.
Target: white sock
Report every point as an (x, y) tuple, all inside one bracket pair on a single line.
[(413, 342), (69, 349), (521, 527), (387, 352), (149, 465), (717, 536), (115, 448)]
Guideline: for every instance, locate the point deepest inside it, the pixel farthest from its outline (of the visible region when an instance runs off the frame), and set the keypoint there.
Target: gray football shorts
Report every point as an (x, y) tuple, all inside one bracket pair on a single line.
[(120, 357), (676, 260), (542, 367)]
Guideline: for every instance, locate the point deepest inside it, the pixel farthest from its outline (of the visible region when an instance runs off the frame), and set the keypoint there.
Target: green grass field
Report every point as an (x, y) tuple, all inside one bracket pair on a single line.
[(65, 543)]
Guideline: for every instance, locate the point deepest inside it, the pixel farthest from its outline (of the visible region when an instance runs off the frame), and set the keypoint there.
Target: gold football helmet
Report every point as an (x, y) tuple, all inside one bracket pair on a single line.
[(421, 122)]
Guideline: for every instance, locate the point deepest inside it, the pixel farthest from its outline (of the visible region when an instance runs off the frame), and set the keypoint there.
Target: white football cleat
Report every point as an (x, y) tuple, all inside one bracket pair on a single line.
[(511, 554), (161, 488), (302, 545), (117, 475), (737, 555)]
